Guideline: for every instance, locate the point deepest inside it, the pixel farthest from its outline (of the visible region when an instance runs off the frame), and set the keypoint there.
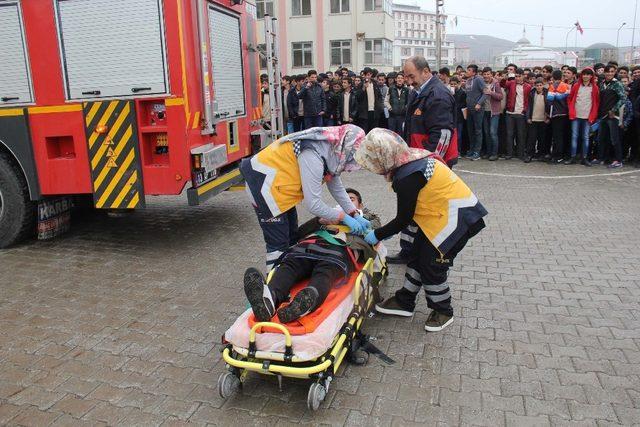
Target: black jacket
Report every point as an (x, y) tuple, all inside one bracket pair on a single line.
[(460, 98), (363, 103), (293, 102), (314, 100), (398, 98), (431, 119), (353, 106), (532, 97)]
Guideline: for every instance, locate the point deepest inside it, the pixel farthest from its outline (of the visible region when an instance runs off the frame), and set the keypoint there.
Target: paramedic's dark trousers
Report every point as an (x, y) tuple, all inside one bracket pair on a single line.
[(280, 233), (428, 270), (292, 270)]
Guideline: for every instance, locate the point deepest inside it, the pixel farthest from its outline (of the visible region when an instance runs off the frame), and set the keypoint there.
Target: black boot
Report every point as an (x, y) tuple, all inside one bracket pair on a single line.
[(303, 303), (259, 295)]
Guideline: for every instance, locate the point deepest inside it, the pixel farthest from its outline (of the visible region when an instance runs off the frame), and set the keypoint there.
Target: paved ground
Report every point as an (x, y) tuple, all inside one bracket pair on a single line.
[(119, 322)]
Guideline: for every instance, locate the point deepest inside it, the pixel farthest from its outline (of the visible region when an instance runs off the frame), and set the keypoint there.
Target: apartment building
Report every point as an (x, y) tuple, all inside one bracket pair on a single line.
[(327, 34), (415, 34)]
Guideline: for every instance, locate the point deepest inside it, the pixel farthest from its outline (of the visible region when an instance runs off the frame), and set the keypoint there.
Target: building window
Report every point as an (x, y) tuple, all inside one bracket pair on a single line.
[(376, 5), (399, 33), (264, 7), (339, 6), (302, 54), (341, 52), (300, 7), (378, 52), (431, 52), (406, 51), (419, 51)]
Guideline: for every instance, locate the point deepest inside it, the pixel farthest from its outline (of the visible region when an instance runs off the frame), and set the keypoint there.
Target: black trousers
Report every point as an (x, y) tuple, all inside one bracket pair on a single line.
[(535, 133), (558, 129), (427, 269), (369, 122), (516, 129), (292, 270)]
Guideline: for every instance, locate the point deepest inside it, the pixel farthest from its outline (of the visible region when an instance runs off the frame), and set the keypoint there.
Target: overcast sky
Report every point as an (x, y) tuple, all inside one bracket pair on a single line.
[(607, 14)]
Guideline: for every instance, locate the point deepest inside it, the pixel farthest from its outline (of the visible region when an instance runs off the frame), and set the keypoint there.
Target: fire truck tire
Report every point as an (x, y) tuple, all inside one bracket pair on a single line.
[(17, 211)]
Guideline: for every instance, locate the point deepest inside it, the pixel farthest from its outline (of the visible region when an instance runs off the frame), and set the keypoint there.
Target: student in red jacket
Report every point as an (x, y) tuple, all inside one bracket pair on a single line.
[(517, 105), (584, 100)]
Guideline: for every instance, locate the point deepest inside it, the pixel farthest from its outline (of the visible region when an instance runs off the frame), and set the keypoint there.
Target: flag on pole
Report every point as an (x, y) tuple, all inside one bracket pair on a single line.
[(579, 27)]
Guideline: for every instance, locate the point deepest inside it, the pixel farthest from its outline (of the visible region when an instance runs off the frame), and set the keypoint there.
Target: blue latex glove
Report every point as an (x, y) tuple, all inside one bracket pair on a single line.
[(353, 224), (371, 238), (364, 222)]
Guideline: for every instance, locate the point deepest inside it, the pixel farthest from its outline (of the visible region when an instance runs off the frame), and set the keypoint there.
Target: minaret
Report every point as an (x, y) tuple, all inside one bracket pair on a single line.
[(542, 36)]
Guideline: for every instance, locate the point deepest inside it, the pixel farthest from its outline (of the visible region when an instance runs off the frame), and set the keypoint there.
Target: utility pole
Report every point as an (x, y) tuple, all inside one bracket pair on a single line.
[(618, 42), (633, 33), (439, 4)]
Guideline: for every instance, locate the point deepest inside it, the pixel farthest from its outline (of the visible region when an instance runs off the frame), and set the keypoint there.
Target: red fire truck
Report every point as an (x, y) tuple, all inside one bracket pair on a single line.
[(120, 100)]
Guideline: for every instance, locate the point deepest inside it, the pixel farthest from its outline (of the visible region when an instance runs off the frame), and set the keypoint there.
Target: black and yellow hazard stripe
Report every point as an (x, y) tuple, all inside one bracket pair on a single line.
[(114, 155)]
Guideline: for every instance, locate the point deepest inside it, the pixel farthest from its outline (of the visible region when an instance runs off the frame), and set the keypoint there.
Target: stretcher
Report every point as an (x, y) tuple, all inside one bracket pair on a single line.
[(313, 348)]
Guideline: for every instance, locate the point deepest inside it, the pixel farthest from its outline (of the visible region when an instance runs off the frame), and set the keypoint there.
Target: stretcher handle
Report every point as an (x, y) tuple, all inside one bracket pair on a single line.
[(288, 348)]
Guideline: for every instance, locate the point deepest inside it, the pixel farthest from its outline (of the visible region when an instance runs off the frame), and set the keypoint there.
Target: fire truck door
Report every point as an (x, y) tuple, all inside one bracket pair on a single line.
[(114, 156)]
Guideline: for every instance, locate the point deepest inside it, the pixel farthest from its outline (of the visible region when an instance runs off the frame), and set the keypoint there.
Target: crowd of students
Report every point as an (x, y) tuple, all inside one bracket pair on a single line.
[(559, 116)]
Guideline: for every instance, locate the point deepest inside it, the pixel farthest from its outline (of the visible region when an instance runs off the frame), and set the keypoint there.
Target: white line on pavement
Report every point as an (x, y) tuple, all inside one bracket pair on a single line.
[(504, 175)]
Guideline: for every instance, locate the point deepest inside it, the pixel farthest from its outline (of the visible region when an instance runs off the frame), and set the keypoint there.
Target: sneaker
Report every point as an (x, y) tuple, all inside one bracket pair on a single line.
[(571, 161), (586, 163), (596, 162), (474, 157), (546, 158), (508, 157), (615, 165), (437, 321), (398, 258), (259, 295), (527, 159), (493, 158), (392, 307), (558, 161), (301, 305)]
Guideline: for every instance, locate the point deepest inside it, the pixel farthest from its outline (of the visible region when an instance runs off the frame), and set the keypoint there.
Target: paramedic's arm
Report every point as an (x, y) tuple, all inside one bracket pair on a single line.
[(407, 190), (338, 192), (311, 174)]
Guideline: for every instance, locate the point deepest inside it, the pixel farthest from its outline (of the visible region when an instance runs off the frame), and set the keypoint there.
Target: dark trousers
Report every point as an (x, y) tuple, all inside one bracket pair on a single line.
[(474, 126), (367, 123), (396, 124), (558, 128), (535, 134), (312, 122), (292, 270), (609, 136), (516, 129), (427, 269), (298, 124), (280, 233)]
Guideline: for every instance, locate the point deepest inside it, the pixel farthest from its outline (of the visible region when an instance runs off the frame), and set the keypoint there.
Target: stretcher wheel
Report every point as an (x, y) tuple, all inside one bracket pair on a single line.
[(316, 396), (228, 383)]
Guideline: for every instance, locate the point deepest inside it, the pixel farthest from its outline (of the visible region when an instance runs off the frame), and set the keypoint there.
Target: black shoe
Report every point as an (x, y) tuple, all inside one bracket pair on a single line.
[(493, 158), (558, 161), (527, 159), (508, 157), (398, 258), (571, 161), (301, 305), (586, 163), (392, 307), (258, 294), (437, 321)]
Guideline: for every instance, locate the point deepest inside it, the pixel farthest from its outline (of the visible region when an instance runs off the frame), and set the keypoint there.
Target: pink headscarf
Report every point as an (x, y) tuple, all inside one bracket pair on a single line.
[(344, 140), (384, 151)]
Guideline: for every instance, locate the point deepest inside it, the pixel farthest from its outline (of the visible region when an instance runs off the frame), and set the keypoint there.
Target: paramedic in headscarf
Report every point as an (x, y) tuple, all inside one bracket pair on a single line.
[(292, 170), (445, 210)]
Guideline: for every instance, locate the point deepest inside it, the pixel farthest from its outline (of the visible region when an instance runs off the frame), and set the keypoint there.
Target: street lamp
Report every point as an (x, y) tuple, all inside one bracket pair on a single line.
[(617, 42)]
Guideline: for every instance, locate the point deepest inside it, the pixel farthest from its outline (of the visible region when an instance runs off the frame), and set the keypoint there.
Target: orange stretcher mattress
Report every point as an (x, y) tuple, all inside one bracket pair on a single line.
[(311, 321)]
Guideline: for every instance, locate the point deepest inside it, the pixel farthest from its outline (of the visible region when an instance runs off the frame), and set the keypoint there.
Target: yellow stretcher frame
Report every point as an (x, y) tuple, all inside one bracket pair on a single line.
[(311, 369)]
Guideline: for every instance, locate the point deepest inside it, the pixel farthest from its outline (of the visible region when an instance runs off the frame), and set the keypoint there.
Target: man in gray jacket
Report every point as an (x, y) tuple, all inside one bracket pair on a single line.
[(475, 110)]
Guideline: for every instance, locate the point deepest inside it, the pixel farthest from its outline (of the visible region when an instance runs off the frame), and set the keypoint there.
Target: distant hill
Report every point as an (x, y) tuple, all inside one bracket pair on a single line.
[(482, 48)]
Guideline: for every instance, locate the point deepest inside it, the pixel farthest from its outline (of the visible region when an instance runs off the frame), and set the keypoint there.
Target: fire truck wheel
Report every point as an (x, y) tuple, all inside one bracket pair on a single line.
[(17, 211)]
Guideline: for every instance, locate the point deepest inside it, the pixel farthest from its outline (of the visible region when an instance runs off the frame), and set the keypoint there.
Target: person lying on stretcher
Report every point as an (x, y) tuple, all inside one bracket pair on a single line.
[(325, 256)]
